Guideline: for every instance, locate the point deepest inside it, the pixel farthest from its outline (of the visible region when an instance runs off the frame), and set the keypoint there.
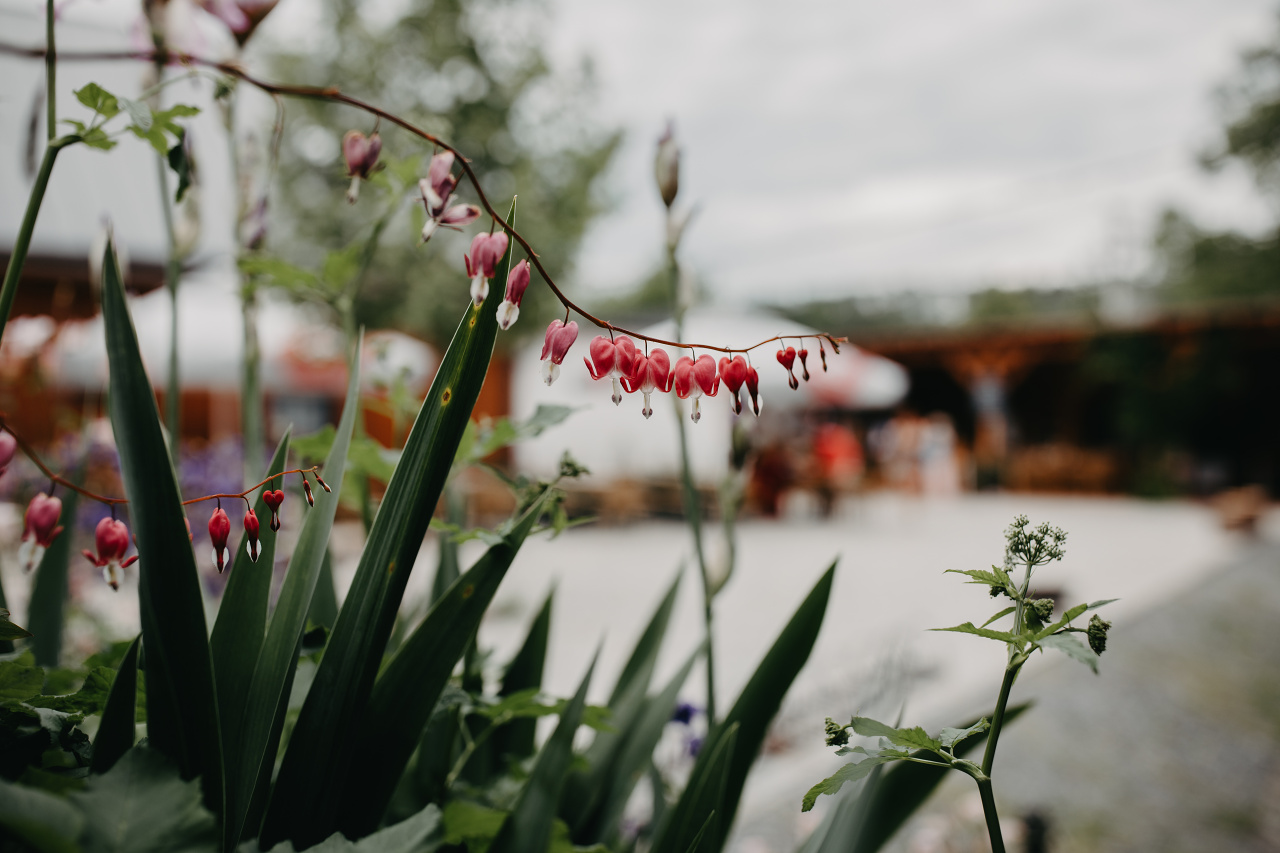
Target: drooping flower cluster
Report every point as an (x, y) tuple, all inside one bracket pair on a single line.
[(111, 537), (437, 195)]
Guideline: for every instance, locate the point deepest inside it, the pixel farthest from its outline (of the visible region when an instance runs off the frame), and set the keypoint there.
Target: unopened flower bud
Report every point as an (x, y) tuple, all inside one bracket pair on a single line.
[(1097, 633), (251, 528), (822, 353), (42, 528), (8, 446), (517, 283), (219, 530), (753, 389), (361, 155), (804, 364), (787, 358), (322, 483), (666, 165), (1043, 608), (555, 346), (306, 490), (836, 733)]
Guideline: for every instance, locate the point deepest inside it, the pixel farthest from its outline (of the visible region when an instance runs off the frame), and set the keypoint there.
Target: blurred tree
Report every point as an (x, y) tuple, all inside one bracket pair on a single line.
[(472, 72)]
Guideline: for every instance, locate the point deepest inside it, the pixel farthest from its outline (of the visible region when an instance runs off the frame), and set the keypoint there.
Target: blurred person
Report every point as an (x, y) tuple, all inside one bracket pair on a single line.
[(939, 471), (839, 463)]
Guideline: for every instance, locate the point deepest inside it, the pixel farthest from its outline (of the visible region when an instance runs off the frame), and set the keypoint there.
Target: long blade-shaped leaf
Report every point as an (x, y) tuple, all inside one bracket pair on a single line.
[(585, 789), (753, 711), (700, 826), (312, 777), (260, 720), (515, 740), (115, 732), (528, 828), (628, 763), (408, 688), (242, 617), (49, 593), (182, 708)]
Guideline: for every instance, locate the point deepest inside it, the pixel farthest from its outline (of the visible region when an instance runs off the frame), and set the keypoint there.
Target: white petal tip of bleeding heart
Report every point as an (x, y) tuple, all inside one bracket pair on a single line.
[(550, 371), (508, 313), (428, 229), (479, 290), (353, 192)]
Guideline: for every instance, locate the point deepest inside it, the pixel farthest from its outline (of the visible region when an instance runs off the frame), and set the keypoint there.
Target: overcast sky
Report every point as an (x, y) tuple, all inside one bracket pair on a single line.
[(852, 147), (838, 148)]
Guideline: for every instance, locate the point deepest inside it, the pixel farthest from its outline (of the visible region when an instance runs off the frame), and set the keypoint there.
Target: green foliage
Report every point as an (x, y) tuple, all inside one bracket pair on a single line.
[(116, 731), (182, 711), (10, 631)]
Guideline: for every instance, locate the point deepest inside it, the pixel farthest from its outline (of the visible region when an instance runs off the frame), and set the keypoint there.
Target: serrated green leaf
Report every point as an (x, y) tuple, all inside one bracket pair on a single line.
[(182, 712), (528, 828), (99, 100), (1004, 612), (307, 799), (8, 630), (470, 823), (1049, 630), (1071, 647), (996, 577), (755, 708), (48, 603), (20, 681), (116, 731), (142, 805), (968, 628), (89, 699), (266, 701), (412, 681), (915, 737), (951, 737), (851, 772)]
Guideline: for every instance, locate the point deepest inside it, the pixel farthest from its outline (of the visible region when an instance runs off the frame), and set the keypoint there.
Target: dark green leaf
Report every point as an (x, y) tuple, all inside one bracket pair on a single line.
[(89, 699), (1071, 647), (516, 739), (755, 708), (181, 166), (262, 720), (116, 731), (142, 805), (421, 833), (469, 823), (20, 681), (182, 712), (38, 821), (10, 631), (241, 623), (407, 690), (308, 796), (706, 793), (528, 828)]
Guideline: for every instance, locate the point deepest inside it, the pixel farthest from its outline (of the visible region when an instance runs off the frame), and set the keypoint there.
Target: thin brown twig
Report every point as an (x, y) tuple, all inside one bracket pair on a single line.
[(333, 94), (63, 481)]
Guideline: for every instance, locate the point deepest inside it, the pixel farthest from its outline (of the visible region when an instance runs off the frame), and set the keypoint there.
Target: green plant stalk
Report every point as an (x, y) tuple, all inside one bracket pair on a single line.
[(21, 245), (692, 506), (50, 74), (989, 811)]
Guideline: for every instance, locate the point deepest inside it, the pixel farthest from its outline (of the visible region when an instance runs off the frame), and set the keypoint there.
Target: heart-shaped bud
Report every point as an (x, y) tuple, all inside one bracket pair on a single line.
[(787, 358), (733, 372), (555, 346), (753, 389), (111, 538), (804, 363), (273, 501)]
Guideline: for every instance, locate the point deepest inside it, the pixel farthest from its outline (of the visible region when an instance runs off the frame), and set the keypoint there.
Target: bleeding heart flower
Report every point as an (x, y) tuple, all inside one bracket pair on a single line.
[(804, 363), (517, 283), (111, 538), (753, 388), (649, 373), (482, 263), (240, 16), (734, 372), (694, 379), (251, 545), (219, 530), (437, 194), (273, 501), (8, 446), (560, 336), (361, 153), (787, 358), (611, 359), (41, 529), (823, 354)]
